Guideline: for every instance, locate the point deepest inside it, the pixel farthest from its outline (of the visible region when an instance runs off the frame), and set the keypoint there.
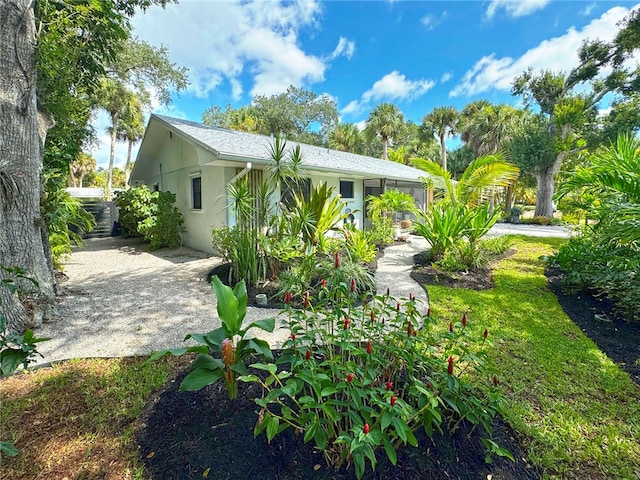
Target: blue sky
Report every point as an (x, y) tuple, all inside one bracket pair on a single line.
[(415, 54)]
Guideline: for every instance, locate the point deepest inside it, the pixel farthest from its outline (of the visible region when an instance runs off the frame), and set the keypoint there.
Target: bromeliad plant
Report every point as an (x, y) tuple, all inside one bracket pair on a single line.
[(227, 343), (356, 377)]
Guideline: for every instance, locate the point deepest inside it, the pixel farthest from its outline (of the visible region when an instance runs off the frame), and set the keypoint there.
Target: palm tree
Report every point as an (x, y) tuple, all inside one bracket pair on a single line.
[(83, 164), (442, 121), (489, 127), (477, 183), (131, 130), (385, 121), (112, 96), (346, 137)]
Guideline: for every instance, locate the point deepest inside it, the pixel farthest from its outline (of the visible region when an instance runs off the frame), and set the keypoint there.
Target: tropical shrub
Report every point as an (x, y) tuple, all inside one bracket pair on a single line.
[(227, 343), (605, 259), (382, 232), (359, 246), (135, 205), (358, 379), (65, 217), (454, 225), (314, 217), (163, 229), (390, 202)]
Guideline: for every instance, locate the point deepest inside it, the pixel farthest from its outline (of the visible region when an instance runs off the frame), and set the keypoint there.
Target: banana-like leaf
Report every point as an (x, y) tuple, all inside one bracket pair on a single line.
[(227, 307)]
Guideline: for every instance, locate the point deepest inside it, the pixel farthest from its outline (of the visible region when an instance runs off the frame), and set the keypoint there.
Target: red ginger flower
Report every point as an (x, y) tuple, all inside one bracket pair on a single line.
[(451, 326), (287, 297), (307, 355), (428, 385), (411, 296), (495, 381), (486, 333), (293, 336), (389, 385), (398, 306), (353, 285), (409, 329), (369, 347), (350, 377), (336, 259), (464, 319), (428, 311), (346, 323), (372, 315), (323, 282), (306, 299), (393, 401), (228, 352), (365, 428), (450, 366)]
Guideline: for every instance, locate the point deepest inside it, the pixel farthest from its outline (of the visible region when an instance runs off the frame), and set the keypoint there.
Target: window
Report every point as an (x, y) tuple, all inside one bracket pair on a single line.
[(196, 193), (156, 187), (346, 188), (303, 187)]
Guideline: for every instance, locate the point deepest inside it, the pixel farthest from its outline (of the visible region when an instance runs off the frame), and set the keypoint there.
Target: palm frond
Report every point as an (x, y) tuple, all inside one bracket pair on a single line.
[(483, 176), (441, 178)]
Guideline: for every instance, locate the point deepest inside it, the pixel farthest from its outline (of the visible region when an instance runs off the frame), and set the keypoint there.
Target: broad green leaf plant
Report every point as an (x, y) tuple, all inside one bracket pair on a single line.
[(222, 352)]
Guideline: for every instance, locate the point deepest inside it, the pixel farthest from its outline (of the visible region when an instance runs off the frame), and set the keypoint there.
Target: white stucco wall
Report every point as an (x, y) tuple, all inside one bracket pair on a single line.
[(355, 203)]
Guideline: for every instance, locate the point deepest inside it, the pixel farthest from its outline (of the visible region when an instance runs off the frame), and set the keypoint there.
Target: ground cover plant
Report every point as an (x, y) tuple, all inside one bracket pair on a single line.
[(357, 379)]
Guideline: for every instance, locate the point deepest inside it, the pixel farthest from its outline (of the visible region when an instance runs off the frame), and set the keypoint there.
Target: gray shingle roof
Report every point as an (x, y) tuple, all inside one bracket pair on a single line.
[(250, 146)]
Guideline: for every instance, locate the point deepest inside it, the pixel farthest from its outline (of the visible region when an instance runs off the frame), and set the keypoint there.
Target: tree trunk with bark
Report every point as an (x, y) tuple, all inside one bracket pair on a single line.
[(544, 195), (443, 153), (22, 135), (127, 166)]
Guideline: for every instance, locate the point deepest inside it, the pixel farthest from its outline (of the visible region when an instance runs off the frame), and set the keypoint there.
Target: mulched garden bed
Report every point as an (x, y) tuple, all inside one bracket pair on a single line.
[(599, 320), (191, 435)]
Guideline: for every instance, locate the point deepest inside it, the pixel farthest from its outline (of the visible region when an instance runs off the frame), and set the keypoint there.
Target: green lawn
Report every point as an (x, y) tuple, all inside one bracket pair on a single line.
[(578, 414)]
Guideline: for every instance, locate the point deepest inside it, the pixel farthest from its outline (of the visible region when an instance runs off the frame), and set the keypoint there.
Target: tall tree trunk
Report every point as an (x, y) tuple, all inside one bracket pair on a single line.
[(545, 183), (22, 227), (127, 166), (544, 193), (112, 153), (443, 153), (385, 153)]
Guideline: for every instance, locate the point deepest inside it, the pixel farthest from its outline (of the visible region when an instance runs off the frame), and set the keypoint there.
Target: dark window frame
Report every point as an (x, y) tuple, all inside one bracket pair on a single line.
[(196, 193), (344, 190)]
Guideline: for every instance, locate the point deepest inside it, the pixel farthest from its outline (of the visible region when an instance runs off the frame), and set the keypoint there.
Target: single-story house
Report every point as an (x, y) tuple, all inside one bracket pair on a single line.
[(197, 162)]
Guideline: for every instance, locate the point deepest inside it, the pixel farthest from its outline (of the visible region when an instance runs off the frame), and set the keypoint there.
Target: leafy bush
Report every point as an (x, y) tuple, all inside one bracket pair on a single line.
[(65, 217), (134, 205), (359, 379), (227, 343), (163, 229), (594, 263), (381, 232), (151, 215), (359, 245)]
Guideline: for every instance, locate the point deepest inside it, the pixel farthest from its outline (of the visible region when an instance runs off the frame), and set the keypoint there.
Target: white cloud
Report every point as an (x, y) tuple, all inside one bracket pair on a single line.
[(393, 86), (446, 77), (432, 21), (345, 47), (556, 54), (515, 8), (220, 41), (586, 11)]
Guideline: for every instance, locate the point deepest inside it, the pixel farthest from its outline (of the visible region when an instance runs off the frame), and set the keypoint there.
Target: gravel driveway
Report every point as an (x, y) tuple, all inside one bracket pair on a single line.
[(122, 299)]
